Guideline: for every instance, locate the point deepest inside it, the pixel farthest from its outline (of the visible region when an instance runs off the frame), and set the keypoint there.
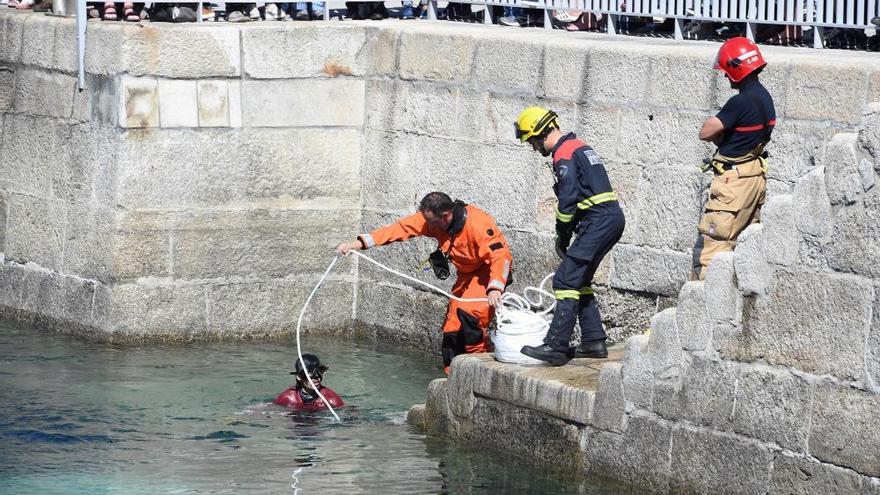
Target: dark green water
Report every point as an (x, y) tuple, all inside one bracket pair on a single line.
[(84, 418)]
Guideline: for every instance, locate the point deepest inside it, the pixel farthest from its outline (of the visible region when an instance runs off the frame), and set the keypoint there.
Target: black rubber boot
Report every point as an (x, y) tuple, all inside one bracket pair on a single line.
[(595, 349), (546, 353)]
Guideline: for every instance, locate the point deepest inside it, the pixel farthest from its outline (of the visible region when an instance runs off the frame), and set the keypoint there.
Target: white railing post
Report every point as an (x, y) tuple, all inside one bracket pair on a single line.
[(818, 37), (548, 19), (611, 24), (750, 30), (679, 28), (199, 15), (432, 10), (81, 22), (487, 15)]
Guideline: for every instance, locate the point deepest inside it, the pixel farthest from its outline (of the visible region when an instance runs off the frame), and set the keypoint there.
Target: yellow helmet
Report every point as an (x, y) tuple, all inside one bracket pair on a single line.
[(534, 121)]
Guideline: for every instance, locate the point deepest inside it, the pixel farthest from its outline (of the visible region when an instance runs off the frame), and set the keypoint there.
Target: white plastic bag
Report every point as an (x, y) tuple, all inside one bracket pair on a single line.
[(515, 329)]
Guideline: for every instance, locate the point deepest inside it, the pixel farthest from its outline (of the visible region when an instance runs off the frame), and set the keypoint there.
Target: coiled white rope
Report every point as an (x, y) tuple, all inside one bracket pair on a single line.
[(515, 317)]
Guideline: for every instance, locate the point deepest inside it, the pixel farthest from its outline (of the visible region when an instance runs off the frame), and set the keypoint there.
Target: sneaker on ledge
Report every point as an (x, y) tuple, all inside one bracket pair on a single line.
[(271, 11), (236, 16), (876, 21), (508, 21), (254, 14), (302, 15)]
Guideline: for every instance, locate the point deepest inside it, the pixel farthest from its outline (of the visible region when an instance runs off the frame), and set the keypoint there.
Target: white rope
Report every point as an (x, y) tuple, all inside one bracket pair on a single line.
[(299, 349), (515, 317)]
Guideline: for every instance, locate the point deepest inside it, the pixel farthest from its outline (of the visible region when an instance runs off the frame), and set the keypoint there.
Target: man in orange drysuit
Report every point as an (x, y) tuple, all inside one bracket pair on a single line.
[(469, 238)]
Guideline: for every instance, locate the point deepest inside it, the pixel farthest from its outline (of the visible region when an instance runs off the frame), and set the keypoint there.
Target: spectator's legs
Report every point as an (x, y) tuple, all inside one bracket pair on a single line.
[(407, 12), (510, 17), (110, 11)]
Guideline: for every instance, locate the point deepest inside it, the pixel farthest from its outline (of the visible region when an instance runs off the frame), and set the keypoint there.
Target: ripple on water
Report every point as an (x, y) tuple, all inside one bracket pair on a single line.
[(56, 438), (221, 435)]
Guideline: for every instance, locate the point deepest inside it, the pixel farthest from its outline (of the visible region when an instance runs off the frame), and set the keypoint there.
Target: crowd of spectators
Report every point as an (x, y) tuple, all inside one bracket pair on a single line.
[(463, 12)]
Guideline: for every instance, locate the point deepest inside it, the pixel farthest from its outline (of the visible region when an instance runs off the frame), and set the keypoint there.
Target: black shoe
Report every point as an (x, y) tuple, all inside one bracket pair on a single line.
[(595, 350), (546, 353)]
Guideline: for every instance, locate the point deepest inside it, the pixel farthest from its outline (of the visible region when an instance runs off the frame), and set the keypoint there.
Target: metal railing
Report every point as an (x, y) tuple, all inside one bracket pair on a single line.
[(814, 14)]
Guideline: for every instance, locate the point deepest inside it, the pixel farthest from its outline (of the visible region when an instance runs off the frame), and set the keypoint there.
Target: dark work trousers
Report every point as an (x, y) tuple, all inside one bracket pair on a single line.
[(596, 235)]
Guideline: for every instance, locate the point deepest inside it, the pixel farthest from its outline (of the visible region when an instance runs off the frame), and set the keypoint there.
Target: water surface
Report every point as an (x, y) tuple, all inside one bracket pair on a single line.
[(88, 418)]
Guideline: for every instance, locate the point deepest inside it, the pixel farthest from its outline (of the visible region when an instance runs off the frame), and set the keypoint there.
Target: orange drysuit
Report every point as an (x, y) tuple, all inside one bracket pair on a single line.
[(480, 253)]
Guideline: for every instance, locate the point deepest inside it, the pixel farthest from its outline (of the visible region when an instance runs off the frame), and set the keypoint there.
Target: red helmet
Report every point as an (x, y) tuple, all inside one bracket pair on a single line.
[(739, 57)]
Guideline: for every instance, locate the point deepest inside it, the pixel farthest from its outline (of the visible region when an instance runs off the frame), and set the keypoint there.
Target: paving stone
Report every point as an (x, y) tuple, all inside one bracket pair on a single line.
[(811, 321), (774, 407), (42, 93), (668, 208), (7, 81), (694, 327), (664, 346), (638, 372), (313, 50), (213, 103), (452, 60), (565, 66), (689, 85), (437, 416), (780, 233), (796, 148), (33, 154), (257, 243), (723, 302), (302, 103), (639, 457), (35, 231), (38, 42), (88, 241), (649, 270), (753, 275), (139, 102), (141, 245), (705, 462), (319, 168), (813, 209), (138, 310), (271, 307), (853, 245), (842, 429), (179, 51), (796, 475), (873, 355), (706, 395), (841, 163), (493, 421), (609, 406), (810, 104), (12, 28), (178, 103)]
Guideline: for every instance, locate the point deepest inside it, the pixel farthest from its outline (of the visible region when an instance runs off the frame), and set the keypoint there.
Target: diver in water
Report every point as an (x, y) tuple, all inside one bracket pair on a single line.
[(301, 396)]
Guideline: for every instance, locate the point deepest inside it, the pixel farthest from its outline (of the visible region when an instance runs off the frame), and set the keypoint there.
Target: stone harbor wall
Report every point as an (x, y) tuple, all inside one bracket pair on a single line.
[(196, 188), (193, 190), (764, 379)]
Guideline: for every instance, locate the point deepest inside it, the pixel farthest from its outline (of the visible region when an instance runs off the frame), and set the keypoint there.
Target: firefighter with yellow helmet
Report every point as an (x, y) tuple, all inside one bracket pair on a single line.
[(741, 130), (587, 210)]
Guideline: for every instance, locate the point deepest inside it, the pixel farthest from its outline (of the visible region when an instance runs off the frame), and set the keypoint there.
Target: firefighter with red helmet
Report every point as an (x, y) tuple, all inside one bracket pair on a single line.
[(741, 130)]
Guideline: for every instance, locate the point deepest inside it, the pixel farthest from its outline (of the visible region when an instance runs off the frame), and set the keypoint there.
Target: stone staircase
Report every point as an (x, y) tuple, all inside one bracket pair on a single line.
[(763, 379)]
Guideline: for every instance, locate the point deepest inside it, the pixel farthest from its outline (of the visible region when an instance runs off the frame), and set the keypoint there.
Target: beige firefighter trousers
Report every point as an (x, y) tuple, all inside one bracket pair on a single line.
[(735, 200)]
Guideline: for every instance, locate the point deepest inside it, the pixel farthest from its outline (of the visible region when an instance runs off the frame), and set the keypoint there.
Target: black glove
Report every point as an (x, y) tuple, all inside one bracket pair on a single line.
[(439, 264), (563, 238)]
